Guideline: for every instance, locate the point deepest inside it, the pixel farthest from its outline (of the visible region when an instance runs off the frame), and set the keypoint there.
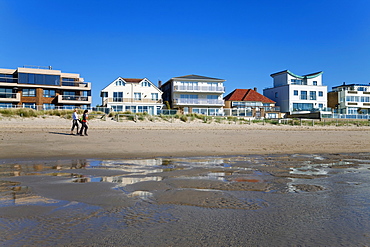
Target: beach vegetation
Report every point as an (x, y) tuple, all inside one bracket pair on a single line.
[(184, 118)]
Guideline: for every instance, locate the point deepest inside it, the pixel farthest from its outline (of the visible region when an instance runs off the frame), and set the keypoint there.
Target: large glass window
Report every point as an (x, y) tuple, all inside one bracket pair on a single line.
[(137, 96), (117, 108), (48, 93), (29, 105), (7, 78), (48, 106), (303, 95), (312, 95), (302, 106), (117, 96), (69, 93), (154, 96), (7, 93), (29, 92), (26, 78)]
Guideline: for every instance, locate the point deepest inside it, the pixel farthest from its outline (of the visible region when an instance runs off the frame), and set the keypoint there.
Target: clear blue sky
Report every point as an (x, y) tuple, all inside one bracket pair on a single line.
[(242, 42)]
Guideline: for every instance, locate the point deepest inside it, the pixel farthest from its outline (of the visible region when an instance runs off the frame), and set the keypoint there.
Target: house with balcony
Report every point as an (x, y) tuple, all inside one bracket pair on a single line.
[(195, 94), (43, 88), (250, 103), (350, 99), (296, 94), (134, 95)]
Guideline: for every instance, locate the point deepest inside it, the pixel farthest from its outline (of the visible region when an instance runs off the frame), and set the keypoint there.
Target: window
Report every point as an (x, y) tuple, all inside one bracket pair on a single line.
[(137, 96), (104, 94), (145, 84), (26, 78), (154, 96), (361, 89), (117, 108), (212, 97), (276, 94), (69, 93), (295, 92), (48, 106), (321, 106), (120, 82), (312, 95), (29, 105), (7, 93), (131, 109), (314, 83), (29, 92), (48, 93), (117, 96), (321, 94), (303, 95), (302, 106)]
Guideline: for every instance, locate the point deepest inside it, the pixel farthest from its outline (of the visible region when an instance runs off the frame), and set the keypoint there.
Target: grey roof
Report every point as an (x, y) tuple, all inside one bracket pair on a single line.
[(197, 77)]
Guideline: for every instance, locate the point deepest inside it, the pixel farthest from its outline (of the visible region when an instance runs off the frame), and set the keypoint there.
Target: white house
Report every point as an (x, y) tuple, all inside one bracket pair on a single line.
[(134, 95), (195, 94), (350, 99), (294, 93)]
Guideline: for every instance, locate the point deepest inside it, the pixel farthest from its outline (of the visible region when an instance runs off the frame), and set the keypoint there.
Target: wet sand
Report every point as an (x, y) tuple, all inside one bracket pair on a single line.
[(49, 138), (207, 185)]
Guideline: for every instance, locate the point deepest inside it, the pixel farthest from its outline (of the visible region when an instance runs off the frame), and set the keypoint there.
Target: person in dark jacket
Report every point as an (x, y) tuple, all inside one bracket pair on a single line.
[(84, 122)]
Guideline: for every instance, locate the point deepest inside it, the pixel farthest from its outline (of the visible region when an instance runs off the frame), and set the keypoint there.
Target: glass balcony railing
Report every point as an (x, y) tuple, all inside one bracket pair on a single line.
[(198, 102), (8, 80), (199, 88)]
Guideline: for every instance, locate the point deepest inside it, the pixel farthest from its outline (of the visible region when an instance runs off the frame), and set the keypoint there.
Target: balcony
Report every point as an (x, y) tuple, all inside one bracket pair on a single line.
[(10, 97), (8, 80), (132, 100), (76, 85), (205, 89), (205, 102), (66, 99)]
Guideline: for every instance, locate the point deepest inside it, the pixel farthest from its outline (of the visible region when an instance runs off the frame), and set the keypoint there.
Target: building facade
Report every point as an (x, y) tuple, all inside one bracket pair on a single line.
[(294, 93), (134, 95), (350, 99), (194, 94), (43, 88), (250, 103)]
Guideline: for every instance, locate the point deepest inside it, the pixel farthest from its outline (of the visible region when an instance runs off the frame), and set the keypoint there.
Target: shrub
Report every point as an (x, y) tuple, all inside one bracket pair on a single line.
[(184, 118)]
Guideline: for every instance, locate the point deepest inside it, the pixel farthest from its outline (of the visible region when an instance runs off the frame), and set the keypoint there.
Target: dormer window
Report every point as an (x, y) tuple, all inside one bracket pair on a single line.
[(120, 82), (145, 84)]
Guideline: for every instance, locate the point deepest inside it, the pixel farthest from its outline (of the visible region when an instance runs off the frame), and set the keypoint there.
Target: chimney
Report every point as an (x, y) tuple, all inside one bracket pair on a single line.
[(255, 89), (159, 83)]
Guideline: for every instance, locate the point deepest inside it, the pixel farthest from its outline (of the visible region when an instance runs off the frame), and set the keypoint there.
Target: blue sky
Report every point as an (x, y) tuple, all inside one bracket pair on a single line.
[(242, 42)]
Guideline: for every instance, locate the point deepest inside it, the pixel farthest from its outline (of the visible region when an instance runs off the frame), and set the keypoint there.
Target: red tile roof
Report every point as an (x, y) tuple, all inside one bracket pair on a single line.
[(247, 95)]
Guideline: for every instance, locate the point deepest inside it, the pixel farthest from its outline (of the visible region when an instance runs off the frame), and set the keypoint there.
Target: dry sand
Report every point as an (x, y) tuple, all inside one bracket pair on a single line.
[(49, 138)]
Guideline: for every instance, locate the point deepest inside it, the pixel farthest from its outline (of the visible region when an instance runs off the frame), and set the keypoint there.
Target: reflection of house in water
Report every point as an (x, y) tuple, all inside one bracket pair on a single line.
[(129, 180)]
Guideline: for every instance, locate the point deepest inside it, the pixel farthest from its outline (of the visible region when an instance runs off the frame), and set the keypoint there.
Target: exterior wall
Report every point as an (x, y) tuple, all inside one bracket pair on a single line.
[(204, 96), (351, 99), (129, 102), (69, 89), (286, 83)]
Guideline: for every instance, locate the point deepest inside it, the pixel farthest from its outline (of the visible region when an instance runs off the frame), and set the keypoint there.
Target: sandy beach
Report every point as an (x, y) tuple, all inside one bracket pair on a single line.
[(49, 138), (183, 184)]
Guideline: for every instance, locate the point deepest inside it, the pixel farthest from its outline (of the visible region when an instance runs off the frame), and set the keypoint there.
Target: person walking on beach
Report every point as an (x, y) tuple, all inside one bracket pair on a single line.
[(74, 121), (84, 123)]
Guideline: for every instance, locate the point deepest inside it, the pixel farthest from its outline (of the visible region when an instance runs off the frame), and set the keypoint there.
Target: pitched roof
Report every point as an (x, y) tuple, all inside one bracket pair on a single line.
[(197, 77), (247, 95), (133, 80)]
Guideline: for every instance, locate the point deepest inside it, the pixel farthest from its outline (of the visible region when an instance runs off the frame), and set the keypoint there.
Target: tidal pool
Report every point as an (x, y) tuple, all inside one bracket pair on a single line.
[(267, 200)]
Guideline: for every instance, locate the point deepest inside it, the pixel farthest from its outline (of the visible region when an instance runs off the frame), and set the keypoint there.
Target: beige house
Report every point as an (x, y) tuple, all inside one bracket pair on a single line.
[(43, 88)]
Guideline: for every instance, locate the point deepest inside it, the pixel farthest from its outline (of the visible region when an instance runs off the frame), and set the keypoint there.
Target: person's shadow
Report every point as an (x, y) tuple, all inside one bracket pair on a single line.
[(60, 133)]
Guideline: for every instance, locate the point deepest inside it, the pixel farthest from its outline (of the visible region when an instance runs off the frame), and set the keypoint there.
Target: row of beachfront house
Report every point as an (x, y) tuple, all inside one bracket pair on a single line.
[(291, 94)]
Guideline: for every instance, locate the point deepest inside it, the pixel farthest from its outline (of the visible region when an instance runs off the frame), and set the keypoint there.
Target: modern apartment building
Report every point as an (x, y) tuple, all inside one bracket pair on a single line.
[(134, 95), (195, 94), (250, 103), (43, 88), (350, 99), (294, 93)]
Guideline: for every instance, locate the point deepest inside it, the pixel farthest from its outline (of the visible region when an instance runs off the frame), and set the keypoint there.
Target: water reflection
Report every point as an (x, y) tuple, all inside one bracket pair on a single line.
[(276, 172)]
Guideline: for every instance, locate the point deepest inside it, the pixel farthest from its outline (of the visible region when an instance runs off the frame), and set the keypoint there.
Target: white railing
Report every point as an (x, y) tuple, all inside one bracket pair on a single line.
[(198, 102), (65, 99), (135, 100), (199, 88)]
